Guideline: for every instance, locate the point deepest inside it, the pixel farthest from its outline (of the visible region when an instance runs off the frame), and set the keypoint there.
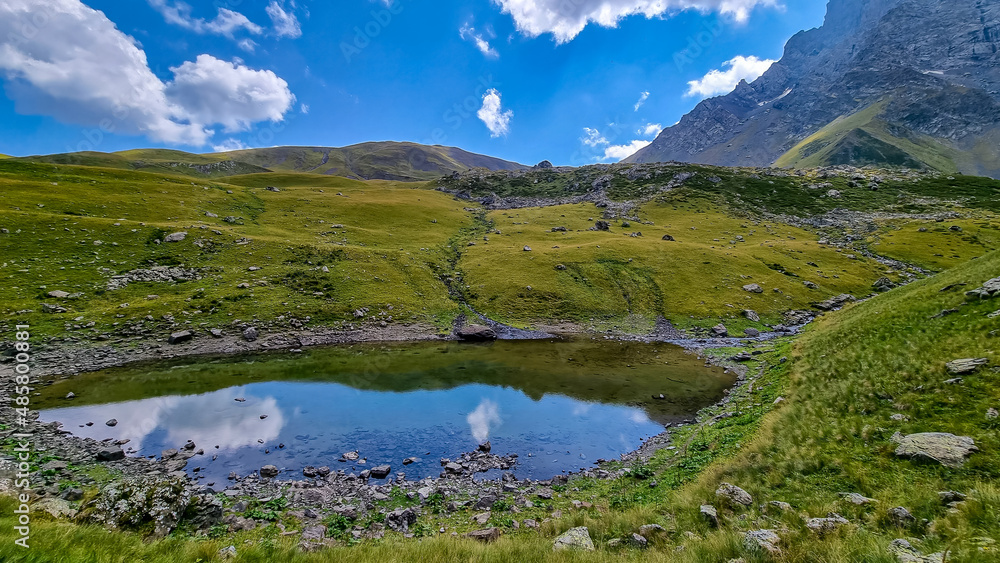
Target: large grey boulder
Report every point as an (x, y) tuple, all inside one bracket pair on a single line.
[(828, 524), (401, 519), (574, 539), (762, 541), (476, 333), (947, 449), (179, 337), (175, 237), (140, 503), (733, 495)]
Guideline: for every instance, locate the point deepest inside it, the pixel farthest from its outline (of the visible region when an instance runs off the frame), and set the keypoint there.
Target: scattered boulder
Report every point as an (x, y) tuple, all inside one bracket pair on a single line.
[(720, 331), (906, 553), (52, 309), (647, 530), (476, 333), (638, 541), (901, 516), (669, 238), (835, 302), (710, 514), (58, 294), (180, 337), (988, 290), (733, 495), (381, 471), (742, 357), (883, 284), (751, 316), (486, 536), (401, 519), (947, 449), (965, 366), (113, 453), (828, 524), (753, 288), (138, 503), (527, 248), (250, 334), (992, 414), (601, 226), (762, 540), (175, 237), (574, 539), (858, 499)]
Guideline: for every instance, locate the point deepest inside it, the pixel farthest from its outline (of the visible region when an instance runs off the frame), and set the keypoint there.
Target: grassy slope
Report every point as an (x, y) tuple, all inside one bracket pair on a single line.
[(849, 373), (385, 254), (399, 243), (819, 148), (612, 275)]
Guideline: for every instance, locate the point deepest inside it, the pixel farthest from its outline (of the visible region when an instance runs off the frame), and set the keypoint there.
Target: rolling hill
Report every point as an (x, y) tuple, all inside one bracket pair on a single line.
[(365, 161)]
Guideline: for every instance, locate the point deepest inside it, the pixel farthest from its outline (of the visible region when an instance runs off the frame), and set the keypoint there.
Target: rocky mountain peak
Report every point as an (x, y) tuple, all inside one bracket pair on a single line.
[(905, 82)]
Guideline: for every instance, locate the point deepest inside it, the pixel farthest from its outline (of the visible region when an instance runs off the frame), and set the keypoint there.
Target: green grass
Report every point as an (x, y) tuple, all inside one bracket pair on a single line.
[(401, 245), (403, 251)]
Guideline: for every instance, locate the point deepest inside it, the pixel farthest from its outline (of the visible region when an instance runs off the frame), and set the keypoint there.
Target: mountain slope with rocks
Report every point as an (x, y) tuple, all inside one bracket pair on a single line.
[(912, 83)]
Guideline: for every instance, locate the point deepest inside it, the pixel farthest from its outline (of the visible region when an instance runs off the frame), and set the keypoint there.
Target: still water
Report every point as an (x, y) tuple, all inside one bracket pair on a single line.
[(559, 405)]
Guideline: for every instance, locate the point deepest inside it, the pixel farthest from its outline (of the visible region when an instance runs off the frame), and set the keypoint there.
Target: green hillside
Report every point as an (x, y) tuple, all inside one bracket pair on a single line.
[(366, 161), (866, 138), (288, 250)]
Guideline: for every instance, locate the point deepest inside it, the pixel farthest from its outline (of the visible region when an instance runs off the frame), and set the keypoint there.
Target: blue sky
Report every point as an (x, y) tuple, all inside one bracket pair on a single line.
[(524, 80)]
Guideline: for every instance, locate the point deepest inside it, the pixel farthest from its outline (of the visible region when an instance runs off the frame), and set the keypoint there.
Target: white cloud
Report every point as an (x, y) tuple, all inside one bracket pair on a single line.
[(642, 99), (285, 23), (618, 152), (225, 23), (81, 69), (650, 130), (496, 119), (248, 45), (216, 91), (487, 414), (564, 19), (718, 82), (468, 32), (593, 138), (304, 108), (230, 144)]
